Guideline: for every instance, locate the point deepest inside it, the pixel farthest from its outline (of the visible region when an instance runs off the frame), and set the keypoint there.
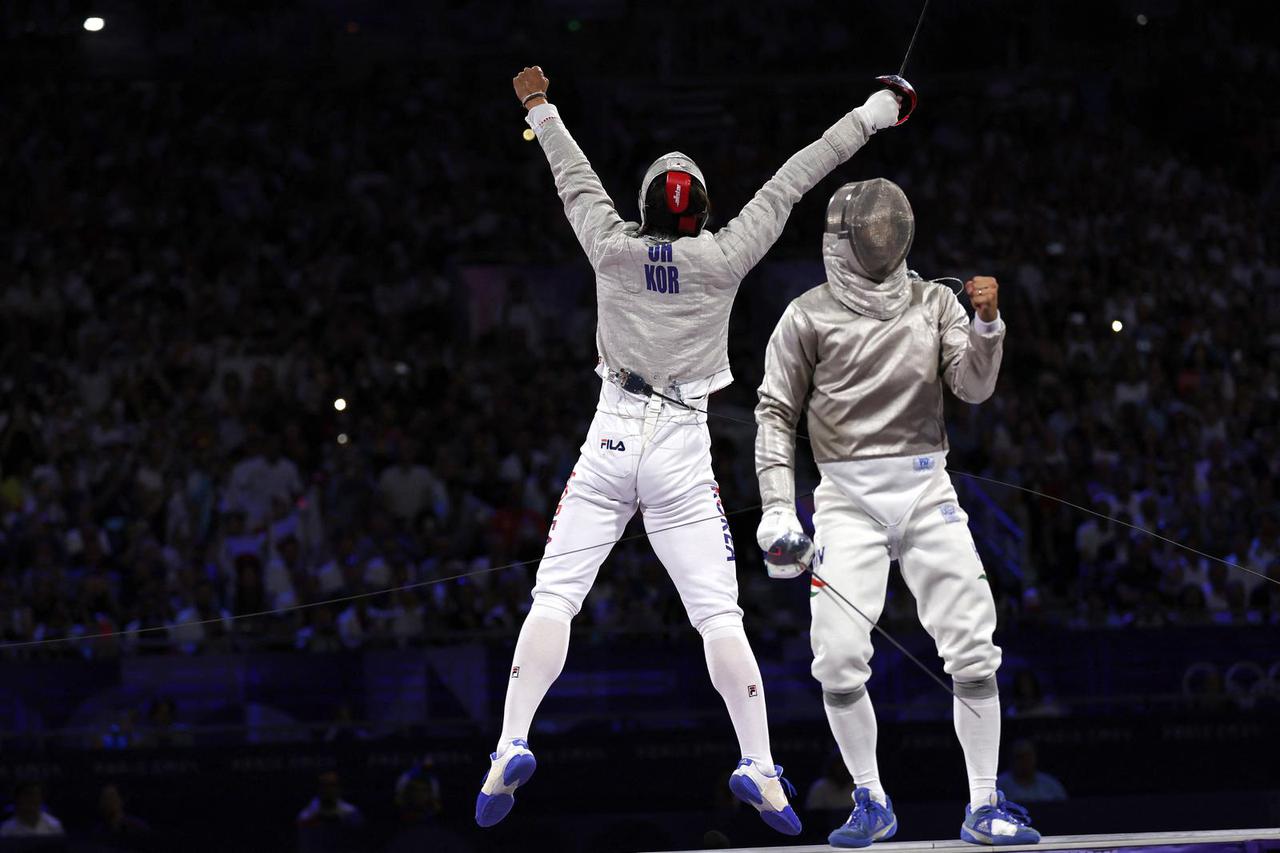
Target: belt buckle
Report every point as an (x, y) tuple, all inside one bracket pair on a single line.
[(634, 383)]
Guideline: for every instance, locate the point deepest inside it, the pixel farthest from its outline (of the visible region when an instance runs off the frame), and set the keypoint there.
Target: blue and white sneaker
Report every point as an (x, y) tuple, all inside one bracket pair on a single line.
[(868, 822), (767, 793), (1001, 822), (507, 772)]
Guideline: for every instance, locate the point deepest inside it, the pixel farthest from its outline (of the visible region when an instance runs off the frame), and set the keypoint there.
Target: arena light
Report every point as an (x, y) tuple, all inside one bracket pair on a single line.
[(94, 24), (342, 438), (1116, 326), (1142, 20), (340, 404)]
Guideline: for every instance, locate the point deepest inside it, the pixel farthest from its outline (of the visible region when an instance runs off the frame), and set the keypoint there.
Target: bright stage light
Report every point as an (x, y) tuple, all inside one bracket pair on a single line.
[(94, 24)]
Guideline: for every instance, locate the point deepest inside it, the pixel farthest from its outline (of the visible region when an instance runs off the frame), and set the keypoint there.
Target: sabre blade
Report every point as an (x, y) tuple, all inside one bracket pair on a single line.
[(902, 70)]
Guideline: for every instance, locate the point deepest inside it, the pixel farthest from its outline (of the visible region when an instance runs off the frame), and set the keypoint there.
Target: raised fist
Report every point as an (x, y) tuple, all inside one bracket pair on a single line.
[(984, 293), (528, 82)]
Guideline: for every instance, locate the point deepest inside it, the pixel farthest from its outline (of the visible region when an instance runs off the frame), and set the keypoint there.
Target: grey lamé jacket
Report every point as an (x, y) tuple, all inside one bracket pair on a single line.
[(664, 306), (873, 387)]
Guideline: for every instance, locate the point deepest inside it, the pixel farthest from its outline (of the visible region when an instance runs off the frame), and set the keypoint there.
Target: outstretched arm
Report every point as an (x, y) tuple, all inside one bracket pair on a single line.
[(590, 210), (749, 235), (972, 352)]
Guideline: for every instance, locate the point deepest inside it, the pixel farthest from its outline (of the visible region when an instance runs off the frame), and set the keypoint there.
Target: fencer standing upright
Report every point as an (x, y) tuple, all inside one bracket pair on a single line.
[(869, 352), (664, 290)]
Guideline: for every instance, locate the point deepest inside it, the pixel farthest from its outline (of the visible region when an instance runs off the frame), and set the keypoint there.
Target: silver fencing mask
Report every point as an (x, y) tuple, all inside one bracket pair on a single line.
[(875, 219)]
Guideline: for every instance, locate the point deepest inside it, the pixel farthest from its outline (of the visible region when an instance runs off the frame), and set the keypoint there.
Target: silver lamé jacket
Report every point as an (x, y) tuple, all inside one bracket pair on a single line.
[(664, 306), (873, 387)]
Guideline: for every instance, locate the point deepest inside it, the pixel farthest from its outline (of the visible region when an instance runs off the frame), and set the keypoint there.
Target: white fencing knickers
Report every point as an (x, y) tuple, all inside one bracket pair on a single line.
[(652, 455), (643, 453), (869, 512)]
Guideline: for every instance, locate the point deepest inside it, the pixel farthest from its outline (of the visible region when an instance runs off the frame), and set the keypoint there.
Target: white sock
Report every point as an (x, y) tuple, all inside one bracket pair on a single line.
[(853, 724), (980, 740), (538, 660), (736, 676)]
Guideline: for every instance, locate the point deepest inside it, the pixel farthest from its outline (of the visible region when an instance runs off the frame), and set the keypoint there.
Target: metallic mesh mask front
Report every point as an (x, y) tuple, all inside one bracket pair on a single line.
[(875, 218)]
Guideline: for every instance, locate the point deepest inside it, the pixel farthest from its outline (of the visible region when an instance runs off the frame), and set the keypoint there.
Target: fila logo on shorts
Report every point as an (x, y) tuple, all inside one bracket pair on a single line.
[(515, 672), (610, 444), (751, 690)]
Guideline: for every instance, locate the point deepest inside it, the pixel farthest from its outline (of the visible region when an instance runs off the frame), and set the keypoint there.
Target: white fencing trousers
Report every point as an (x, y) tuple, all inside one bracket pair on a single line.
[(642, 453), (905, 508)]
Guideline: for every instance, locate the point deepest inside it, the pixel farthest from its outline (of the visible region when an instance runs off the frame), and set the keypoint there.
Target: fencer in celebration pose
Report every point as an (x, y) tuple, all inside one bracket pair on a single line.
[(664, 289), (869, 351)]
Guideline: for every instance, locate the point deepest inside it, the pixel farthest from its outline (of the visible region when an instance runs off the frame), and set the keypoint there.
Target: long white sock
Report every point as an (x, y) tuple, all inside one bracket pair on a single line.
[(853, 724), (537, 663), (736, 676), (979, 737)]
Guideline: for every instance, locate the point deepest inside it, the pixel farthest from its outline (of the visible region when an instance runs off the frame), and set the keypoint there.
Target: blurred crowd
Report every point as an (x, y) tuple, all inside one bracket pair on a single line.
[(272, 345), (409, 820)]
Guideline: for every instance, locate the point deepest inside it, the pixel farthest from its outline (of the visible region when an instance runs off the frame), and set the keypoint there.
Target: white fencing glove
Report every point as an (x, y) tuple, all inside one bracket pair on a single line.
[(881, 109), (787, 550)]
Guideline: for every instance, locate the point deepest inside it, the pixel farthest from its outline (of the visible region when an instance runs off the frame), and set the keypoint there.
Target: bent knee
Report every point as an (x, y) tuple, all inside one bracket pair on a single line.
[(979, 665), (550, 605), (727, 622), (841, 670)]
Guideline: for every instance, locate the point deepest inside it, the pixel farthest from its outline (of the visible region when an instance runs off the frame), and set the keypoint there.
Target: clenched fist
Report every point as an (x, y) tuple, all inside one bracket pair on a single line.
[(984, 292), (531, 81)]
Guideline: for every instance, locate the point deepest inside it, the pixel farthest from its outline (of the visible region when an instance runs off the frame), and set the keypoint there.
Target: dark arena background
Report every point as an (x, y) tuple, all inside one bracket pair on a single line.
[(296, 355)]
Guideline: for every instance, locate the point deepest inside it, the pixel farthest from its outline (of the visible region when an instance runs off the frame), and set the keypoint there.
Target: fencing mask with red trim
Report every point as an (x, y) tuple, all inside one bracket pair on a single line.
[(673, 197)]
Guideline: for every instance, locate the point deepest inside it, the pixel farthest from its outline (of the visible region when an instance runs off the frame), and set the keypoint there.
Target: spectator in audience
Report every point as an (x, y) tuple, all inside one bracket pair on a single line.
[(833, 790), (1024, 782), (328, 823), (420, 806), (29, 817), (118, 831), (1028, 700)]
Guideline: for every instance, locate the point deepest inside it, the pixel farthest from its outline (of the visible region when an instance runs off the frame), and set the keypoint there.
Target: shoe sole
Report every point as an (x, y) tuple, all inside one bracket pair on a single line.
[(491, 808), (973, 837), (784, 821), (854, 843)]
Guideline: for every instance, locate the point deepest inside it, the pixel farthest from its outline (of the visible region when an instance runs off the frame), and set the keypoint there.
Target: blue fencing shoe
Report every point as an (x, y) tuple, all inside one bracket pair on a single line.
[(1001, 822), (868, 822), (767, 793), (506, 773)]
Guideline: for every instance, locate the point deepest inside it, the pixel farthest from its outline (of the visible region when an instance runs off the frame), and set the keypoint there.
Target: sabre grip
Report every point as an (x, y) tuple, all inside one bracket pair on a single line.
[(789, 555), (904, 90)]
